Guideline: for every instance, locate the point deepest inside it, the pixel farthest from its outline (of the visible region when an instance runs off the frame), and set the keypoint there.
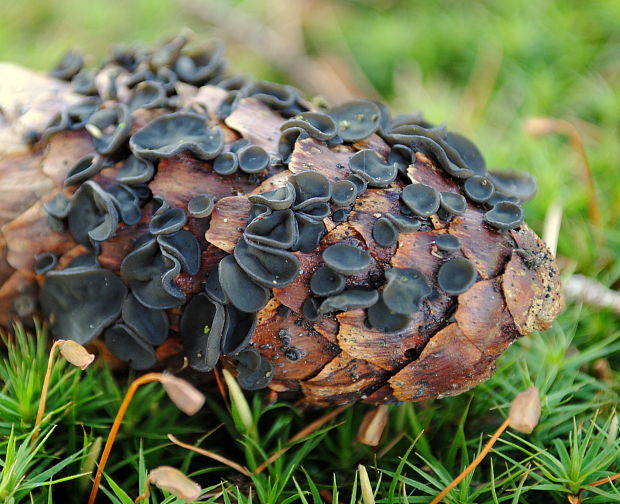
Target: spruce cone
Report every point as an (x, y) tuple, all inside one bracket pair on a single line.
[(340, 253)]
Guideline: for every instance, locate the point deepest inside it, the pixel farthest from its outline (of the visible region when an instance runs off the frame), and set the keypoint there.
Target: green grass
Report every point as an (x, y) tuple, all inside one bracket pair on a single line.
[(483, 68)]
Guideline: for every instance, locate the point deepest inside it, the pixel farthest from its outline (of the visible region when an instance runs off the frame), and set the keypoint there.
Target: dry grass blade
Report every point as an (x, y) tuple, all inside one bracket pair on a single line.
[(588, 291)]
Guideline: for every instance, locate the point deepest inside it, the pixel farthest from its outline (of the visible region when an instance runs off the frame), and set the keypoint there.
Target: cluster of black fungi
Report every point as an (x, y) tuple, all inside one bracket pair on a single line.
[(84, 300)]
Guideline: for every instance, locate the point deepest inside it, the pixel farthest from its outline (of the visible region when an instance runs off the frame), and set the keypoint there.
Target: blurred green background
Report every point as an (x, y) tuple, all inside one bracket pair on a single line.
[(483, 67)]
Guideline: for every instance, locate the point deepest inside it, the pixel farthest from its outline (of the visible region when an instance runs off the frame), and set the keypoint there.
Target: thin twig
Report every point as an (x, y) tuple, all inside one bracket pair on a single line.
[(306, 431), (475, 462), (211, 455), (588, 291)]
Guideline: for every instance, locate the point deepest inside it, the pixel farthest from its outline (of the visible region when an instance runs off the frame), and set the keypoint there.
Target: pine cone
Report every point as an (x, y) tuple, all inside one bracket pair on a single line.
[(340, 253)]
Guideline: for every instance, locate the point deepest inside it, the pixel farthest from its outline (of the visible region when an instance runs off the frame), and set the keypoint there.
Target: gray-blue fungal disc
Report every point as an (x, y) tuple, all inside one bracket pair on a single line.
[(238, 330), (115, 119), (85, 168), (402, 156), (453, 203), (456, 275), (249, 358), (257, 379), (422, 200), (213, 288), (200, 206), (253, 159), (498, 197), (226, 163), (478, 188), (239, 144), (69, 65), (384, 232), (229, 104), (276, 96), (199, 68), (159, 205), (267, 266), (278, 199), (403, 224), (287, 141), (151, 325), (202, 326), (147, 95), (240, 290), (310, 187), (258, 210), (129, 347), (80, 302), (318, 125), (505, 215), (447, 243), (405, 289), (79, 113), (167, 222), (468, 151), (343, 193), (356, 119), (341, 215), (380, 317), (518, 184), (126, 202), (135, 171), (352, 298), (310, 309), (310, 233), (317, 211), (361, 184), (92, 215), (326, 282), (346, 259), (370, 166), (284, 311), (58, 207), (279, 230), (44, 262), (175, 133), (184, 247), (84, 82)]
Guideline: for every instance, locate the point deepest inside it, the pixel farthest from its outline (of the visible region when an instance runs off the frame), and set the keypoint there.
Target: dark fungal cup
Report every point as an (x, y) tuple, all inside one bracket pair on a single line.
[(199, 68), (239, 144), (93, 215), (252, 159), (447, 243), (310, 309), (283, 311), (151, 325), (202, 326), (318, 125), (403, 224), (278, 199), (468, 151), (168, 221), (58, 207), (346, 259), (370, 166), (276, 96), (361, 184), (479, 188), (240, 290), (352, 298), (123, 342), (341, 215), (499, 196), (86, 167), (505, 215), (267, 266), (229, 104), (250, 378), (213, 288), (456, 275), (356, 120), (310, 187), (326, 282), (421, 199), (226, 163), (110, 128), (80, 302), (405, 289), (453, 203), (44, 262), (317, 211), (380, 317), (68, 66), (200, 206), (147, 95), (278, 229), (79, 113), (239, 328), (310, 233), (126, 202), (344, 193), (184, 247), (516, 184), (258, 210), (135, 171), (402, 156), (160, 205), (175, 133), (384, 232), (287, 141), (84, 82)]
